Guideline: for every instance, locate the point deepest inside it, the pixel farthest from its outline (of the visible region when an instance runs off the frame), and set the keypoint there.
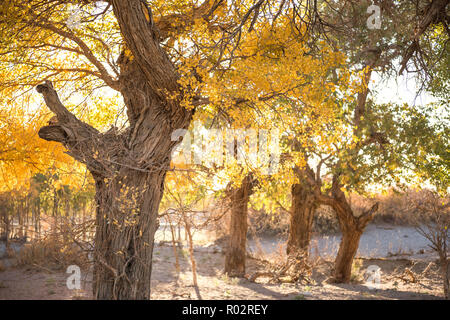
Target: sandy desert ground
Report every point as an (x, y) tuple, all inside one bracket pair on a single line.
[(404, 275)]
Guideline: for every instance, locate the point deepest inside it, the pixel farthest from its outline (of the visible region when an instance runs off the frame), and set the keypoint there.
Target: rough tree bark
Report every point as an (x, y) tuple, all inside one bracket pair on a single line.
[(237, 243), (128, 166), (445, 274), (352, 227), (5, 208), (304, 205)]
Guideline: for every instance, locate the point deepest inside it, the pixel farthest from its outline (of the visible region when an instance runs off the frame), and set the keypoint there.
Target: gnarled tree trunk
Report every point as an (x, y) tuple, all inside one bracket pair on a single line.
[(445, 272), (303, 207), (352, 227), (128, 166), (127, 208), (129, 170), (237, 245), (348, 247)]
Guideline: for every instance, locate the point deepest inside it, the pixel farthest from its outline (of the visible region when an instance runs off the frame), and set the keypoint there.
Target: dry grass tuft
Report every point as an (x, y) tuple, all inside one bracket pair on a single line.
[(52, 252), (58, 249)]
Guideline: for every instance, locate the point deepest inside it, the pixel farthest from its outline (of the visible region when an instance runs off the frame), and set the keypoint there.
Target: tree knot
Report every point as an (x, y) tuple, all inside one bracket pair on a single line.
[(41, 88)]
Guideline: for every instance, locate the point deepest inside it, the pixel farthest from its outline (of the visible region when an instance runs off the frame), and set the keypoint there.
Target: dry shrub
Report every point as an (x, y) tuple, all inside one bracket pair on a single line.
[(433, 223), (295, 268), (219, 219), (325, 221), (59, 248), (53, 253), (10, 253), (395, 207), (265, 223)]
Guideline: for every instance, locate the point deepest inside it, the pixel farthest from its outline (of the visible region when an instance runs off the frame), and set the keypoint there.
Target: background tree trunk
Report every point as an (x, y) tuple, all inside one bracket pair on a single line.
[(5, 210), (237, 245), (352, 227), (55, 212), (445, 275), (20, 226), (7, 230), (38, 219), (347, 251), (303, 208)]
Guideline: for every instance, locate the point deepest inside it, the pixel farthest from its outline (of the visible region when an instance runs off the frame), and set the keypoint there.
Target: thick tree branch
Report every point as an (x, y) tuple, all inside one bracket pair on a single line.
[(54, 104), (53, 133), (141, 38), (362, 96), (367, 216), (433, 14), (82, 141)]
